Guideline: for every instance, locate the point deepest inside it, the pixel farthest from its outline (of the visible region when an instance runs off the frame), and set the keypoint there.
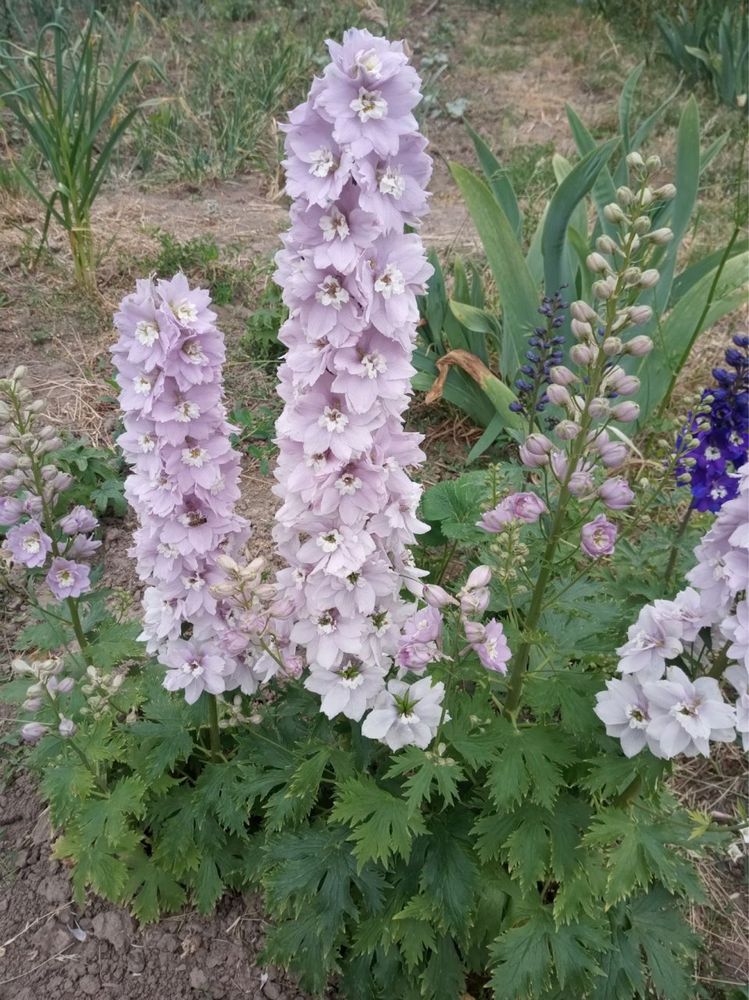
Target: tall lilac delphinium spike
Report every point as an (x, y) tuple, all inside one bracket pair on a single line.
[(184, 479), (356, 169)]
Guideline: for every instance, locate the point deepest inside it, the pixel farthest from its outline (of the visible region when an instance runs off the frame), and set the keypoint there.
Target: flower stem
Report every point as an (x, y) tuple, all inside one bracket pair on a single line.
[(677, 538), (215, 732)]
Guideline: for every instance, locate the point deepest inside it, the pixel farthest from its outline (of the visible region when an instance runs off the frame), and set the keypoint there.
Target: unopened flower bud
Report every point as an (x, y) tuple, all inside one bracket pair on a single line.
[(604, 289), (582, 354), (606, 245), (626, 412), (597, 264), (558, 395), (561, 375), (529, 459), (65, 685), (613, 454), (66, 728), (646, 196), (639, 346), (639, 315), (19, 374), (37, 406), (475, 632), (641, 225), (33, 731), (580, 483), (649, 278), (538, 444), (8, 461), (612, 346), (614, 213), (227, 564), (581, 329), (479, 577), (625, 196), (567, 430), (626, 385), (436, 596), (582, 311), (635, 161), (666, 192), (599, 408), (653, 162), (661, 236), (32, 705), (615, 493), (631, 276)]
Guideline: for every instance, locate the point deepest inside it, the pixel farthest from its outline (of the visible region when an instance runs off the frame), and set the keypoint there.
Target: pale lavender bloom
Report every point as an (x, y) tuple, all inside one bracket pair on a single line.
[(524, 507), (685, 716), (348, 689), (598, 537), (11, 510), (624, 710), (67, 578), (32, 732), (738, 678), (406, 714), (29, 544), (616, 493), (195, 667), (652, 640), (492, 650), (78, 520), (735, 629)]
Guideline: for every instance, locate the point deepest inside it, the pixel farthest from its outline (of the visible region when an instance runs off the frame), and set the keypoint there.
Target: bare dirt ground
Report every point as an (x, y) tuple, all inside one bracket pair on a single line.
[(517, 90)]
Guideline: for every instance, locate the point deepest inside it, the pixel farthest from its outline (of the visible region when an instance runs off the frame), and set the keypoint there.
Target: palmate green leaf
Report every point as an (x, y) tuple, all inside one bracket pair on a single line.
[(164, 737), (114, 643), (382, 825), (535, 956), (413, 937), (657, 927), (150, 890), (449, 876), (108, 820), (65, 786), (529, 762), (300, 782), (518, 293), (208, 884), (426, 772), (528, 848), (443, 977)]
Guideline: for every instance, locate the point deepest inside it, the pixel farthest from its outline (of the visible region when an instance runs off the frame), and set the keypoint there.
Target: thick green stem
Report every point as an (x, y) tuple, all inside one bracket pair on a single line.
[(215, 732)]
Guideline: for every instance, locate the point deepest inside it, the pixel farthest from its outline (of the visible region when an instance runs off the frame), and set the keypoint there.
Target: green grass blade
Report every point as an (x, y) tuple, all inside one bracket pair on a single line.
[(518, 293), (499, 182), (625, 104)]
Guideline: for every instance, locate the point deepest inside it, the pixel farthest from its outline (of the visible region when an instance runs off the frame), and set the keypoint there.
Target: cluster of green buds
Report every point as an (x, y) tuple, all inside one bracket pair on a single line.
[(508, 555), (46, 689), (100, 688), (233, 715)]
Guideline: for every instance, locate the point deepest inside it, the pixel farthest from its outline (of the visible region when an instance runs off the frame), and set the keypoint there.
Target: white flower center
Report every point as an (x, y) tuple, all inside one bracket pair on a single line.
[(146, 443), (32, 544), (193, 352), (146, 333), (185, 311), (192, 667), (64, 577), (348, 484), (194, 457), (718, 492), (368, 61), (369, 104), (322, 162), (329, 540), (331, 292), (167, 551), (636, 716), (334, 225), (317, 462), (374, 364), (391, 182), (194, 582), (390, 282), (712, 454), (186, 411), (141, 385), (333, 420)]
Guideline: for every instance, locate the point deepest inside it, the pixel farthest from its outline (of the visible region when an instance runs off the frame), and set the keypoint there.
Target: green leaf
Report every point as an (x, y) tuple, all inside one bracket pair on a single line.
[(443, 977), (499, 182), (530, 761), (449, 876), (527, 848), (209, 885), (164, 737), (109, 819), (151, 890), (563, 203), (114, 643), (382, 825), (659, 930), (517, 291), (426, 772)]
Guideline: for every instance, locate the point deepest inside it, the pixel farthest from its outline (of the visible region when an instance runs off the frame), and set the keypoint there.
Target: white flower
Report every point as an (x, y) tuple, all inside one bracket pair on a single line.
[(350, 688), (406, 714), (369, 104), (738, 679), (686, 715), (624, 710), (653, 639), (735, 629)]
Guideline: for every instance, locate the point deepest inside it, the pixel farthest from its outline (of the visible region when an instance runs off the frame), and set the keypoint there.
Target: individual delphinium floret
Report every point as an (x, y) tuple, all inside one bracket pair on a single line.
[(46, 536), (357, 170), (670, 698), (183, 484), (715, 442)]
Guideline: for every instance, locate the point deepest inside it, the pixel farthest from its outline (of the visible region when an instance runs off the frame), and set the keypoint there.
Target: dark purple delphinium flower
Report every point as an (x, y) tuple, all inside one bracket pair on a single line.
[(544, 351), (721, 431)]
